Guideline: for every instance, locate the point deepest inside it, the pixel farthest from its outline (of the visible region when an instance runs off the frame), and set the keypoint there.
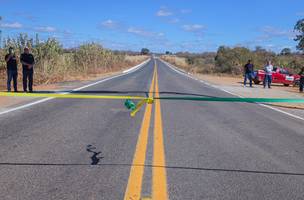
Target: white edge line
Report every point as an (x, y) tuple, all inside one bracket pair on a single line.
[(137, 67), (216, 87)]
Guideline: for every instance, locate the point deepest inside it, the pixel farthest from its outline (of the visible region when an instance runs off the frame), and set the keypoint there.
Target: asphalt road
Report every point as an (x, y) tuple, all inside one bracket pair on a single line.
[(93, 149)]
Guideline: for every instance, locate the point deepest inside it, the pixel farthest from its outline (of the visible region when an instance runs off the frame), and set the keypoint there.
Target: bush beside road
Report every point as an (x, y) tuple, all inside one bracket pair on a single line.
[(56, 64), (234, 84)]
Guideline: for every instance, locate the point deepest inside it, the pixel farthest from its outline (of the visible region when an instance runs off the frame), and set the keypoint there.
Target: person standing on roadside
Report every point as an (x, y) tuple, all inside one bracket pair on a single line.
[(302, 79), (268, 74), (28, 61), (248, 73), (12, 69)]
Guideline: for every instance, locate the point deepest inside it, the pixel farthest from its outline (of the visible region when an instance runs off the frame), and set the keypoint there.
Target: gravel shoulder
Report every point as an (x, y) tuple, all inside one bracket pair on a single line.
[(11, 102), (235, 86)]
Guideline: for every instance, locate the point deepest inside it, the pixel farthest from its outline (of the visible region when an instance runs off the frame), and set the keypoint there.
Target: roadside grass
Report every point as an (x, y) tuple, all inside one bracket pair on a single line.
[(65, 69)]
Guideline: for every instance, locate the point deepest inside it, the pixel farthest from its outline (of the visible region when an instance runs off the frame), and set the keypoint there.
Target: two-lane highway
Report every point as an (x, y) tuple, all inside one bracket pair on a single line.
[(93, 149)]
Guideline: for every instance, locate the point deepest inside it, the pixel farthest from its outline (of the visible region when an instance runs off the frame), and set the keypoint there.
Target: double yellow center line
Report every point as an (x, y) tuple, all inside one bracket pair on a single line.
[(159, 178)]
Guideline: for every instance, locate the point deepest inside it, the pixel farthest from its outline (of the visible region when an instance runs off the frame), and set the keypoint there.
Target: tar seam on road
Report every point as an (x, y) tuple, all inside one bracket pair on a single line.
[(11, 164), (133, 190)]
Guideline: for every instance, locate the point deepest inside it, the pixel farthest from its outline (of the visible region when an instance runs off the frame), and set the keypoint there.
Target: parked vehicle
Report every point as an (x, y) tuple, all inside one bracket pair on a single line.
[(279, 75)]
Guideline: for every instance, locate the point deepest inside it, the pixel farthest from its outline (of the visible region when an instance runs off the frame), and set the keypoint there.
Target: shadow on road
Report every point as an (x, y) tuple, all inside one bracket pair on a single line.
[(155, 166)]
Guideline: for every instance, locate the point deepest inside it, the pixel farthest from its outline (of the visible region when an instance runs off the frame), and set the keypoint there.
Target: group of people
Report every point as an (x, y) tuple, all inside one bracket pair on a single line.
[(268, 69), (27, 60)]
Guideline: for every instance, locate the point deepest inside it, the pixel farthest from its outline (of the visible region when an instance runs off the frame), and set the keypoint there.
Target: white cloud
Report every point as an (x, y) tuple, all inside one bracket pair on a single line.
[(67, 32), (163, 12), (270, 32), (193, 27), (15, 25), (48, 29), (140, 32), (174, 21), (26, 15), (136, 31), (147, 34), (109, 24), (301, 14), (185, 11)]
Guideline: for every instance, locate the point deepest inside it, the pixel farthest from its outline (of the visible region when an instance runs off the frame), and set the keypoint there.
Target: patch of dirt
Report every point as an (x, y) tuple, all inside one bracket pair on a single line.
[(68, 84), (235, 85)]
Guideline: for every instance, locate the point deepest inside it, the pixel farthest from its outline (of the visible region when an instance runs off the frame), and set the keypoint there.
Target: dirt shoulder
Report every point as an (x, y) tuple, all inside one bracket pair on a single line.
[(68, 84), (235, 85), (10, 102)]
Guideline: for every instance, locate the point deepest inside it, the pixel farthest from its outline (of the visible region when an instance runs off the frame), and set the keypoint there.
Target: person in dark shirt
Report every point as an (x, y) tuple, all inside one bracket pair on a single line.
[(302, 79), (12, 69), (28, 61), (248, 73)]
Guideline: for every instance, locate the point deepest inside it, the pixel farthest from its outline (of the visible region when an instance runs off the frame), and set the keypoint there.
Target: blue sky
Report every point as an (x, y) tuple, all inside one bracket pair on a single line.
[(160, 25)]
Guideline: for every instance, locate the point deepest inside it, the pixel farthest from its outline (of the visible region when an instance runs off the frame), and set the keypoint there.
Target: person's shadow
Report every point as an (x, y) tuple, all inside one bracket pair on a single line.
[(95, 158)]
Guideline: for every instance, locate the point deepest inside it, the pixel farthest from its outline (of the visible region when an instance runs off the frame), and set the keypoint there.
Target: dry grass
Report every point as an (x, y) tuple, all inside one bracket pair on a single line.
[(177, 61), (136, 59), (65, 72)]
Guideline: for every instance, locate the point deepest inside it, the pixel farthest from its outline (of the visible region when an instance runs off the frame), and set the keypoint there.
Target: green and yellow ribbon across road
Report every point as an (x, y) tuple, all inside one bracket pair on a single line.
[(151, 99), (232, 99), (159, 176), (70, 96)]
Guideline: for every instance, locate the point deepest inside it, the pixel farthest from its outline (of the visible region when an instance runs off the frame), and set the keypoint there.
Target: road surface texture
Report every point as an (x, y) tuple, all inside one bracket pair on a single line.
[(92, 149)]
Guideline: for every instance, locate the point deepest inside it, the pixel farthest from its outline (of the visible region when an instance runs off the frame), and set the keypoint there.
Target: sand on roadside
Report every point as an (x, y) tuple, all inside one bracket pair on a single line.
[(74, 82), (234, 84)]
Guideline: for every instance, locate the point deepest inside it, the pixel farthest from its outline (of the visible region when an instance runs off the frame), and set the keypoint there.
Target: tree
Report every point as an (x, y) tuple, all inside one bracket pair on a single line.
[(259, 49), (286, 52), (145, 51), (231, 60), (299, 28)]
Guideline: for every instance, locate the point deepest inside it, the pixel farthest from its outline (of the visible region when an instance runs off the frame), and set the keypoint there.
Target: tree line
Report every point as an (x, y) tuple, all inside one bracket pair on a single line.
[(231, 60)]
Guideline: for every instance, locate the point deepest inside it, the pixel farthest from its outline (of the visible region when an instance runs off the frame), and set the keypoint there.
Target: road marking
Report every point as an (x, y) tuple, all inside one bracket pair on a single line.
[(134, 186), (136, 67), (213, 86), (77, 89), (70, 96), (159, 181)]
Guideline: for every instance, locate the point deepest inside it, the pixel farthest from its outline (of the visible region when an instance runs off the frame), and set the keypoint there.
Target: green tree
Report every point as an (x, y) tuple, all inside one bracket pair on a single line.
[(145, 51), (299, 28), (231, 60), (286, 51)]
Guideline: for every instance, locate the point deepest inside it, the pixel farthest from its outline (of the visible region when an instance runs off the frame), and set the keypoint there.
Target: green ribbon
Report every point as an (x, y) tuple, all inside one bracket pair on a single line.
[(235, 99)]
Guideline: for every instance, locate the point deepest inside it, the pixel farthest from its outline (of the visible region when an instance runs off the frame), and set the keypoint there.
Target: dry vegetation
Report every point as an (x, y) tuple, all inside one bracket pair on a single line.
[(230, 61), (55, 64)]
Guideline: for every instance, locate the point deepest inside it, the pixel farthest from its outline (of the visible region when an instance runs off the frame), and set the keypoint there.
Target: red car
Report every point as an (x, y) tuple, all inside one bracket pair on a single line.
[(279, 75)]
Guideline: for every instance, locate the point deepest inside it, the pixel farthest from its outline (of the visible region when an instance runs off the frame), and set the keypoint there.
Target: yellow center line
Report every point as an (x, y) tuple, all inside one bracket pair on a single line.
[(69, 96), (134, 186), (159, 185)]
